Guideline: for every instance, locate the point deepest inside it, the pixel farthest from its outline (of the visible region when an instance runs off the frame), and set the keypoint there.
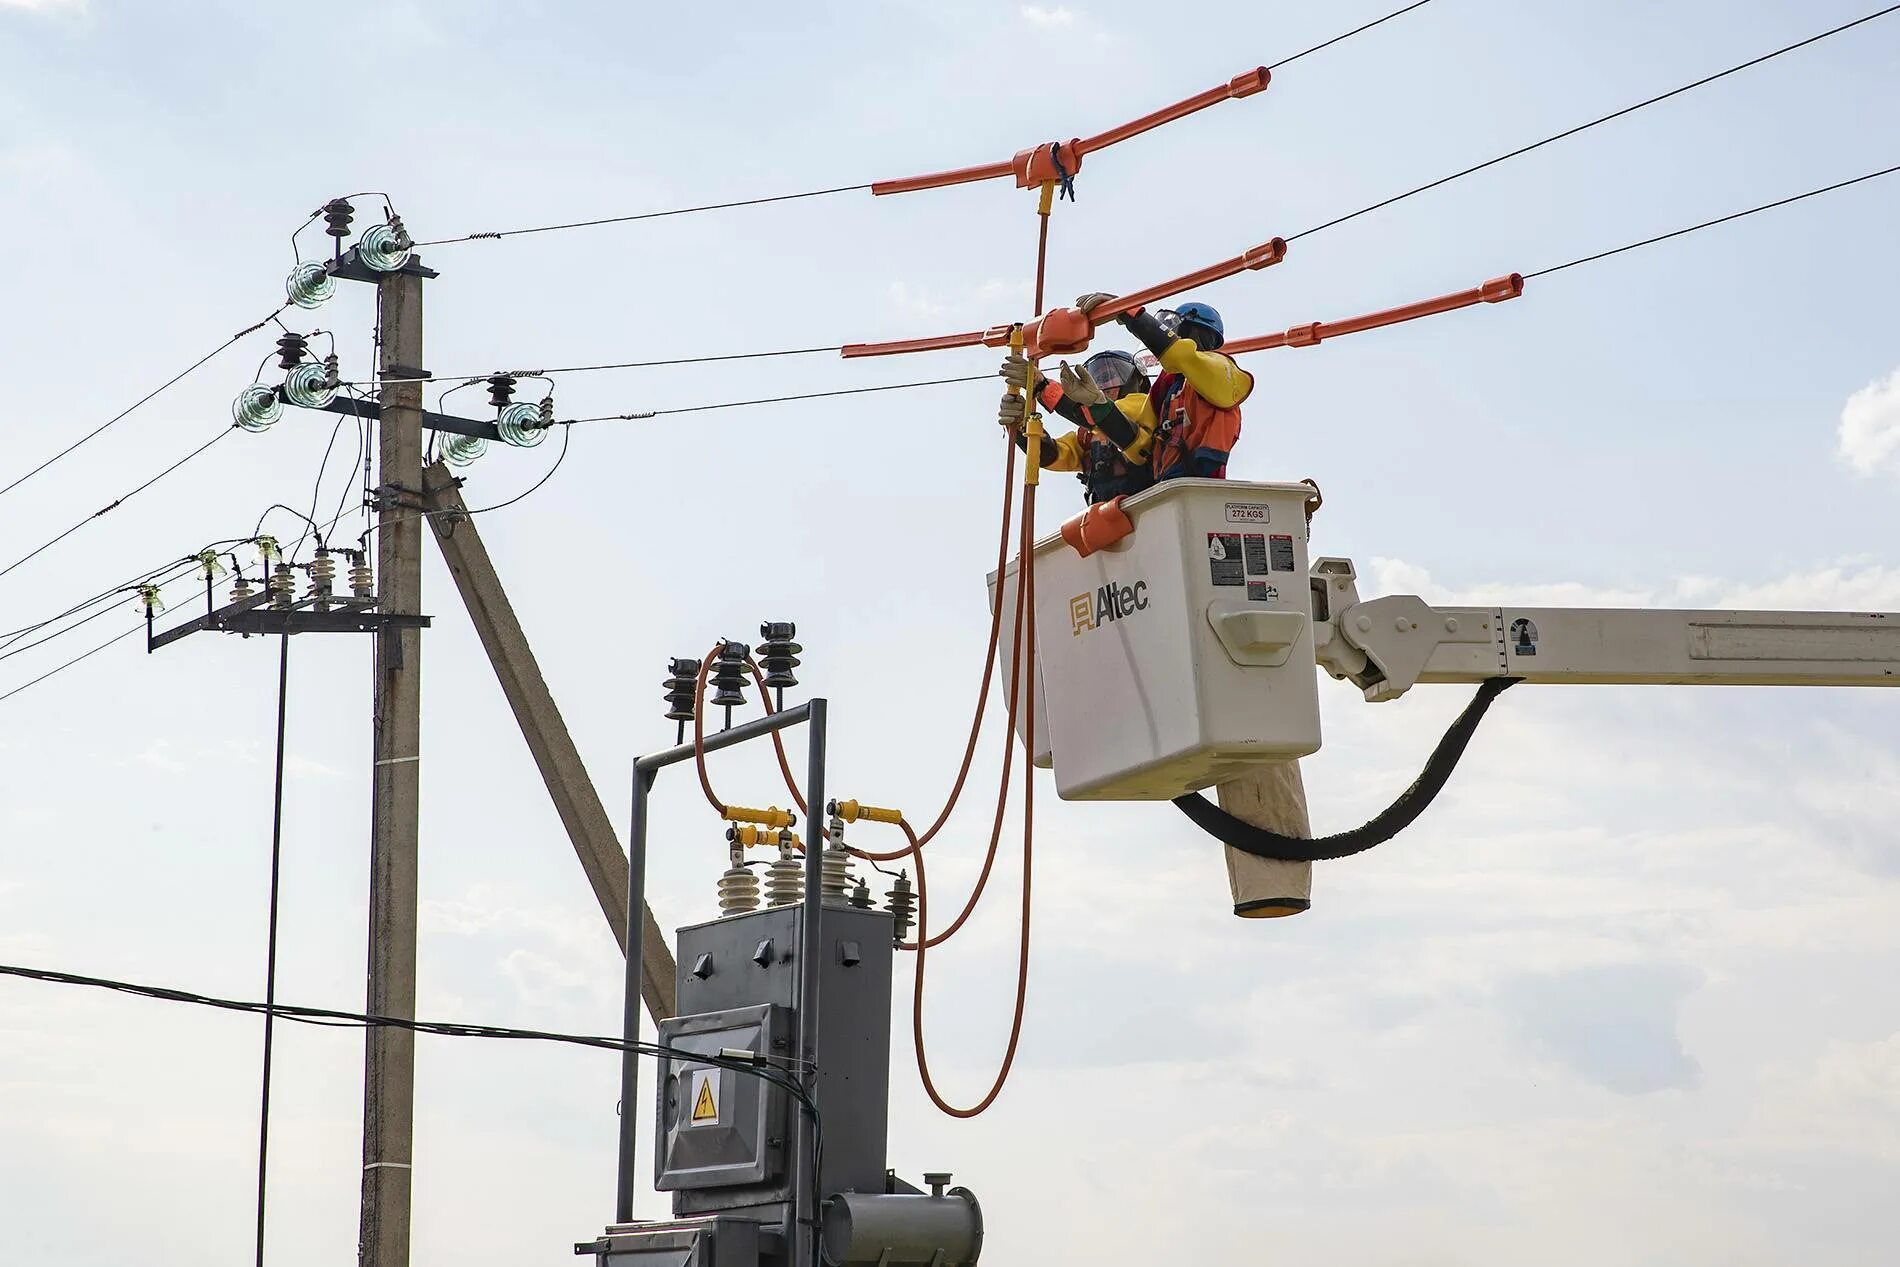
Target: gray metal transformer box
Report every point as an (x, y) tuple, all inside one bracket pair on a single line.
[(738, 985)]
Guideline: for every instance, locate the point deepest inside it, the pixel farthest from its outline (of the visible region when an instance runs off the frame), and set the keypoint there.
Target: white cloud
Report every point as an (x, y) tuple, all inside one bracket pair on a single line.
[(45, 6), (1870, 425), (913, 302), (1048, 18)]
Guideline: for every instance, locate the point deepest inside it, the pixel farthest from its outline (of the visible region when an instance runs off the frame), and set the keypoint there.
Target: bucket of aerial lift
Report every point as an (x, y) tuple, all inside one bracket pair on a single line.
[(1181, 655)]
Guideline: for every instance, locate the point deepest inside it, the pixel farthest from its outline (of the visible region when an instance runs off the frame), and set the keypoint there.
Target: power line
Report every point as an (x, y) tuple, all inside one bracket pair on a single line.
[(1709, 224), (149, 396), (1601, 119), (648, 215), (839, 189), (779, 1071), (774, 400), (1346, 35), (116, 502), (87, 654), (469, 379)]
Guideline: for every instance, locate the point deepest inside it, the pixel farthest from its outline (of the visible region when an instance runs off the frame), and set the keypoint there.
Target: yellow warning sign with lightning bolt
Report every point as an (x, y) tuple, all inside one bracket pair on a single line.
[(705, 1097)]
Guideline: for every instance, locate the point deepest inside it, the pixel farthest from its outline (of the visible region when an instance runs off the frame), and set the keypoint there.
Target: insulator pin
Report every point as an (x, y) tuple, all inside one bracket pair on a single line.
[(681, 683), (729, 676), (322, 578), (784, 879), (337, 214), (282, 586), (778, 654), (901, 902), (738, 888)]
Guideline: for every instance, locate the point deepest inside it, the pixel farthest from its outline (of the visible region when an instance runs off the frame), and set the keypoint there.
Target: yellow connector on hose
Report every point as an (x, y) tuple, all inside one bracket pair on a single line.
[(751, 837), (771, 816), (1048, 202), (851, 812), (1032, 421)]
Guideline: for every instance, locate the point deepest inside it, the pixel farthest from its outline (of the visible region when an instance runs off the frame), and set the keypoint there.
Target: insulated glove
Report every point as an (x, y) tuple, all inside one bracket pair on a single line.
[(1016, 371), (1094, 299), (1009, 412), (1080, 388)]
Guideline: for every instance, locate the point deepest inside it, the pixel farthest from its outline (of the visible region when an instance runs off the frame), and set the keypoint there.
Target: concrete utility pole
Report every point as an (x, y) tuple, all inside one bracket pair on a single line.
[(555, 755), (1273, 797), (389, 1065)]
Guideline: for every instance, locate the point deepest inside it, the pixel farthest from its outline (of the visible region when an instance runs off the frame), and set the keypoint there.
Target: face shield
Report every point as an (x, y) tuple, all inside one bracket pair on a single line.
[(1115, 373)]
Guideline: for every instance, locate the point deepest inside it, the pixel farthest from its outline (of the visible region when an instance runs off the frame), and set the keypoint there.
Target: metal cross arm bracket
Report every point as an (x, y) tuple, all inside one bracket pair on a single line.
[(251, 615), (355, 408), (350, 267), (1034, 166), (1387, 645)]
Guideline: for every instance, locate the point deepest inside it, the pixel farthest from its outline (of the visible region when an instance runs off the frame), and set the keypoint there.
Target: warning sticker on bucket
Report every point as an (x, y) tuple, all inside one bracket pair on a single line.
[(1261, 592), (1224, 565), (1254, 547), (1282, 552)]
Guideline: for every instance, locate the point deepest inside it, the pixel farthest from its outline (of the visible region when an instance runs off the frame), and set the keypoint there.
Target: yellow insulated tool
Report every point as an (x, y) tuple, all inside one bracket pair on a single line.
[(851, 812), (772, 816)]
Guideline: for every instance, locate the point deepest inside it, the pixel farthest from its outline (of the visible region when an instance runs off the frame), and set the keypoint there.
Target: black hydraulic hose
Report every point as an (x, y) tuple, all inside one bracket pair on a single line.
[(1388, 823)]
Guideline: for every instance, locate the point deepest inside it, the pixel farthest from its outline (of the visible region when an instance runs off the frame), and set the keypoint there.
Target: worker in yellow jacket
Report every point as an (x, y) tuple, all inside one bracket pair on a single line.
[(1196, 400), (1111, 448)]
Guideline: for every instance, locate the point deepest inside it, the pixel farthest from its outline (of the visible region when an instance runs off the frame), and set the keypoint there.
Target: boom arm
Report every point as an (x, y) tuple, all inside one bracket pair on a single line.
[(1387, 645)]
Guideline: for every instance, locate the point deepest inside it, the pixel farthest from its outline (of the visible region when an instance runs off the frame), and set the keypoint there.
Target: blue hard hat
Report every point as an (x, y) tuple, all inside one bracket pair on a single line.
[(1202, 315)]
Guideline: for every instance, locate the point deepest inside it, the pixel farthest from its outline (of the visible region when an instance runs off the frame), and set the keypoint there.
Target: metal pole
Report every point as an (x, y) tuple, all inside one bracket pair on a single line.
[(630, 1007), (270, 938), (389, 1064), (801, 1235)]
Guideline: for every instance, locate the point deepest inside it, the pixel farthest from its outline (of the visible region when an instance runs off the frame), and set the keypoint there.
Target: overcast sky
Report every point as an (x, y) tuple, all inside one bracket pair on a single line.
[(1625, 994)]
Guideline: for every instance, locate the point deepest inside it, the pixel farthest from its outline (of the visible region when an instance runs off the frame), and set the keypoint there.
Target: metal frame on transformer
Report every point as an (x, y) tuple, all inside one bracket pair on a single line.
[(803, 1211)]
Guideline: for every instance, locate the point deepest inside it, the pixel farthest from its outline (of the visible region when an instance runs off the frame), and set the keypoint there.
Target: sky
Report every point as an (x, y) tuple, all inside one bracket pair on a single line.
[(1626, 993)]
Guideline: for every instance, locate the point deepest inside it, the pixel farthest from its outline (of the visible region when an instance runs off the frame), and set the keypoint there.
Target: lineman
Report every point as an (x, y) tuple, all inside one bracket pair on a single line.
[(1197, 399), (1111, 448)]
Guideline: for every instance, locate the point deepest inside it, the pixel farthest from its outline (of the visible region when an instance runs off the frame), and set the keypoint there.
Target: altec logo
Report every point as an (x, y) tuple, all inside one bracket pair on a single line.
[(1109, 603)]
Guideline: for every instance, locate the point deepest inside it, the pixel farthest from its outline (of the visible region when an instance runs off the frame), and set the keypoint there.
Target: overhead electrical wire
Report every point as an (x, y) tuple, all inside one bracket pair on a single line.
[(778, 1071), (92, 651), (141, 401), (835, 189), (83, 656), (470, 379), (1709, 224), (775, 400), (1346, 35), (1599, 120), (117, 501)]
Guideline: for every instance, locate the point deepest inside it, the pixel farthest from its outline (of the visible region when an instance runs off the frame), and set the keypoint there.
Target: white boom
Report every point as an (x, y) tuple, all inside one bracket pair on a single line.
[(1388, 645)]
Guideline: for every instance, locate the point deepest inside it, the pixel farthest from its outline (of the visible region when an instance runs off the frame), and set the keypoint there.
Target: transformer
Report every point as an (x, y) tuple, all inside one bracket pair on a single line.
[(771, 1108)]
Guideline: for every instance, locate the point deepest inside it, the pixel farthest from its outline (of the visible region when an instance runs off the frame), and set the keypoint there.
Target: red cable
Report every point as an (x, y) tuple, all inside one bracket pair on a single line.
[(1027, 628), (699, 732)]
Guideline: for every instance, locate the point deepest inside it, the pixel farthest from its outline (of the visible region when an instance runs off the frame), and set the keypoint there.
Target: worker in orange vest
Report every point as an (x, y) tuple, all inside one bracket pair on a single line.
[(1196, 400)]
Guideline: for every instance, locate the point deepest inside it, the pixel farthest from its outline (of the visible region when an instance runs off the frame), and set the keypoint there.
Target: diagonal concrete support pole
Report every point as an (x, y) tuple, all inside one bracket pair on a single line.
[(575, 799)]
